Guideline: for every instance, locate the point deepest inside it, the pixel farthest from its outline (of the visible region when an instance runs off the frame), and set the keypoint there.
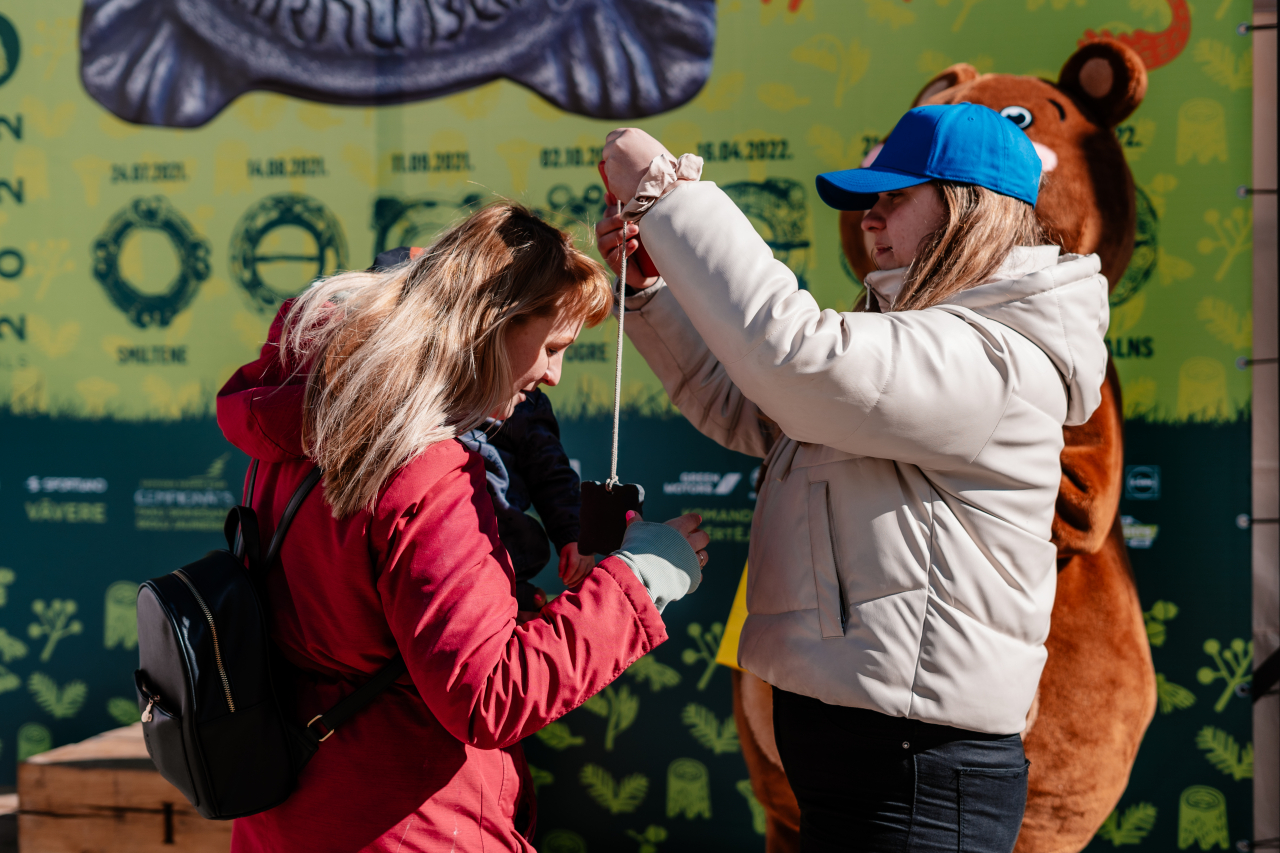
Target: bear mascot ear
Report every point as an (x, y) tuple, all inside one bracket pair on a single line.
[(948, 78), (856, 242), (1106, 78)]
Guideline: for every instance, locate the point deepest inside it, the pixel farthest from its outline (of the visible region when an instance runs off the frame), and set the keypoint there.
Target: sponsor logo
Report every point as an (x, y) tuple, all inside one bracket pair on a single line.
[(1137, 534), (1142, 482), (65, 512), (191, 503), (61, 485), (703, 483), (724, 525)]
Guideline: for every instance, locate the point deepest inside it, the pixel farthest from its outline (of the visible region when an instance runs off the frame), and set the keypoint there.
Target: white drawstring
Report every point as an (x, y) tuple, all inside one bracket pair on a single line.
[(617, 370)]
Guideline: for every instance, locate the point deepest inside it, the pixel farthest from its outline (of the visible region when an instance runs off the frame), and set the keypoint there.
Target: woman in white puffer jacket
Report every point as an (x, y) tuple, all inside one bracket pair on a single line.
[(902, 573)]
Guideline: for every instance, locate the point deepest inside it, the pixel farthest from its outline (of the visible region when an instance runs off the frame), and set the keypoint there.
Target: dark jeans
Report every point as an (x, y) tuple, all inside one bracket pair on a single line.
[(870, 782)]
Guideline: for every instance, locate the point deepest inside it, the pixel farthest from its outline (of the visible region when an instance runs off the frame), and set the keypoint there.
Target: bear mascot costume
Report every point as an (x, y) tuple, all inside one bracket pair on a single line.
[(1097, 693)]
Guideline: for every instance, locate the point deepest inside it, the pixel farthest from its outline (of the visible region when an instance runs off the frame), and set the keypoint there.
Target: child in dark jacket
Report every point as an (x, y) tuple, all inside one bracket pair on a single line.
[(526, 467)]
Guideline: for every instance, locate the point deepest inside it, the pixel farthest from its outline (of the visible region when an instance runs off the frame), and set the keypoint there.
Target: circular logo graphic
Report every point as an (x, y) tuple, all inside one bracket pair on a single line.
[(151, 309), (1146, 246), (1142, 482), (415, 222), (257, 246), (778, 209), (10, 50)]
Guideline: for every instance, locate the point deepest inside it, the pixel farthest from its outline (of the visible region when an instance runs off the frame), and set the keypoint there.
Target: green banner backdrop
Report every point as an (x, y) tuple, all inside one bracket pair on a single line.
[(139, 266)]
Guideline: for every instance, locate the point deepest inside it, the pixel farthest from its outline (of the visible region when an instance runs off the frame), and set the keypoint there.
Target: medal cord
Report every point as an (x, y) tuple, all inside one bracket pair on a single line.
[(617, 369)]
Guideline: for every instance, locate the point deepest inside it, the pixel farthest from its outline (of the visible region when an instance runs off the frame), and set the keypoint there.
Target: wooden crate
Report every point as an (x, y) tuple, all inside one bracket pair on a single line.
[(103, 795)]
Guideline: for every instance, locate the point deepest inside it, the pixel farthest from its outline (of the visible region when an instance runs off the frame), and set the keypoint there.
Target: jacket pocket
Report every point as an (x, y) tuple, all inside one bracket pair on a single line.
[(826, 577)]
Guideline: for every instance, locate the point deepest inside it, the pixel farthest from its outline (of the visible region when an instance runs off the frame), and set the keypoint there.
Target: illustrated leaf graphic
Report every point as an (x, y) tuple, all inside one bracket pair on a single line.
[(11, 648), (558, 736), (123, 711), (659, 675), (708, 731), (759, 818), (1172, 697), (1164, 610), (888, 12), (59, 703), (1222, 67), (615, 797), (8, 681), (1134, 826), (1222, 751), (540, 777), (627, 707), (597, 705), (1225, 323)]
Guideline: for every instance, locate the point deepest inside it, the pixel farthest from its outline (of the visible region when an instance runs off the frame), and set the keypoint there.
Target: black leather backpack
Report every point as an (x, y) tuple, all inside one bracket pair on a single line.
[(215, 724)]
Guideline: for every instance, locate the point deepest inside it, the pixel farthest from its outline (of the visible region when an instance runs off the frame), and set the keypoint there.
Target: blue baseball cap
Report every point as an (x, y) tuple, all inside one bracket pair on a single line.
[(965, 143)]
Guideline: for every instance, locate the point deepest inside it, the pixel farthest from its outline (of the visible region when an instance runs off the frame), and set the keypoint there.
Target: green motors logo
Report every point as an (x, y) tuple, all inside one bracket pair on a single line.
[(10, 50)]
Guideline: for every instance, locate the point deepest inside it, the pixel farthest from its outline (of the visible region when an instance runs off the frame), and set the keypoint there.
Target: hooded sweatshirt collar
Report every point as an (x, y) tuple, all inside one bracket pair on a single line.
[(1058, 302)]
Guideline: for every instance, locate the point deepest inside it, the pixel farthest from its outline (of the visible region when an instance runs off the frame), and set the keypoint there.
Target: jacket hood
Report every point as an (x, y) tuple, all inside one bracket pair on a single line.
[(260, 406), (1058, 302)]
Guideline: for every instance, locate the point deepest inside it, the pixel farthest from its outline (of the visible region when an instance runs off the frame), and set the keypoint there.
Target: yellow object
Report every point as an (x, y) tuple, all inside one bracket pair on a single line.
[(728, 652)]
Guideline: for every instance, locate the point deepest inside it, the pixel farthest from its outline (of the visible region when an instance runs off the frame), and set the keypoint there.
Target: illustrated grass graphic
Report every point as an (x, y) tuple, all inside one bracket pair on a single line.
[(688, 789), (705, 651), (1172, 697), (11, 648), (1160, 613), (123, 711), (1233, 666), (658, 675), (708, 731), (618, 706), (1134, 826), (759, 820), (558, 736), (55, 622), (60, 703), (1222, 751), (650, 838), (617, 797)]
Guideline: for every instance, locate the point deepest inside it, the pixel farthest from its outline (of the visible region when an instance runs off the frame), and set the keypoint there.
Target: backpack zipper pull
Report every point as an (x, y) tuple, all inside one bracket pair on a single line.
[(146, 712)]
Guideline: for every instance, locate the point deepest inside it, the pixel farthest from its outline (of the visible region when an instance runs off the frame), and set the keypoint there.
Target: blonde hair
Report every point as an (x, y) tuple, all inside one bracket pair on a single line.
[(401, 359), (982, 227)]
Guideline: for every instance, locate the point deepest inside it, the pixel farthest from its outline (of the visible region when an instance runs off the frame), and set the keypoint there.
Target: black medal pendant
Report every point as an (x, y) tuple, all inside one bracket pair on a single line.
[(603, 515)]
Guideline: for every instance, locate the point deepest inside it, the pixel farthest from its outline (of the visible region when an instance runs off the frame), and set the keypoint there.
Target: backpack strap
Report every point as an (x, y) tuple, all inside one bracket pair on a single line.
[(323, 725), (291, 509), (236, 544), (241, 531)]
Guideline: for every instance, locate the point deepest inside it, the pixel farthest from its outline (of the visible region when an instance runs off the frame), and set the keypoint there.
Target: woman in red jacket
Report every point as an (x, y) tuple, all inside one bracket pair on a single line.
[(371, 376)]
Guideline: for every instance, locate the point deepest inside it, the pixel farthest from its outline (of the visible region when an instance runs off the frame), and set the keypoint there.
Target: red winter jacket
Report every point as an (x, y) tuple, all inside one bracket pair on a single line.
[(434, 763)]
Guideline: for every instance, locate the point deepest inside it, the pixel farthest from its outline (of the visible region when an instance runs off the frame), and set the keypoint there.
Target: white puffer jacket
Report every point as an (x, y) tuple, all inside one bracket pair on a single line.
[(900, 550)]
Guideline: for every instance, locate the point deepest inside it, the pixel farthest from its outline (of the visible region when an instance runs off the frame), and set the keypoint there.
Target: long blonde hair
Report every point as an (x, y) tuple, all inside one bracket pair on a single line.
[(398, 360), (982, 227)]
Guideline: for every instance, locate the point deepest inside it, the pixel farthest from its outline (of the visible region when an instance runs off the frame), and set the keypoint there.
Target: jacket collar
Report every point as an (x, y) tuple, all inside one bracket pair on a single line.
[(885, 285)]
